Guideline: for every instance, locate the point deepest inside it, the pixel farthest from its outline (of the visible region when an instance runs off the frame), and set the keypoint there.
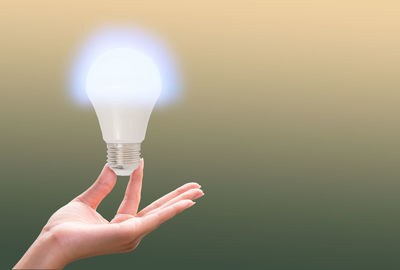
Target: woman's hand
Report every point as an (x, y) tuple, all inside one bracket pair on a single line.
[(78, 231)]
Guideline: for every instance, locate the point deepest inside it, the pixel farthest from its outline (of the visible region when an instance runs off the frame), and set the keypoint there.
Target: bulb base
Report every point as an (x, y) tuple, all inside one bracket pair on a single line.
[(123, 158)]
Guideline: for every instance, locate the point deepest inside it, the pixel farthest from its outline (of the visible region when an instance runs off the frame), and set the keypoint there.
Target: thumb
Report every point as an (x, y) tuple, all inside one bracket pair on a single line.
[(100, 188)]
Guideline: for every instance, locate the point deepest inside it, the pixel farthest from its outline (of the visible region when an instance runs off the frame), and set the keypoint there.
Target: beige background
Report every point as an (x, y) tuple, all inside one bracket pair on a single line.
[(289, 120)]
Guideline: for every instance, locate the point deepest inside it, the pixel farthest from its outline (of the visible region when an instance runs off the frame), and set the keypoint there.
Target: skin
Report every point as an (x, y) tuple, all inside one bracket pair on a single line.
[(78, 231)]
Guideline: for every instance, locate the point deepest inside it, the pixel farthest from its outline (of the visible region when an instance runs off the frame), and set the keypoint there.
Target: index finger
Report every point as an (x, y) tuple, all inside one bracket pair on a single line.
[(131, 200)]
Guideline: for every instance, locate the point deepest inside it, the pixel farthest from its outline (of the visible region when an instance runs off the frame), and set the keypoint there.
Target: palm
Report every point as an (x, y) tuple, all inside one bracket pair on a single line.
[(82, 232), (77, 212)]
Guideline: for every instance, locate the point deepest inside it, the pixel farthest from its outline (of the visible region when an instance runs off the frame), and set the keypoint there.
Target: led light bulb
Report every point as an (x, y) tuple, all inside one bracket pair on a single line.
[(123, 85)]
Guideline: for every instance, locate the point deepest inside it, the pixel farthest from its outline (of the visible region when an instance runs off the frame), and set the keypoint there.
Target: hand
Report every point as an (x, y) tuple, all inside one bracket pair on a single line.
[(78, 231)]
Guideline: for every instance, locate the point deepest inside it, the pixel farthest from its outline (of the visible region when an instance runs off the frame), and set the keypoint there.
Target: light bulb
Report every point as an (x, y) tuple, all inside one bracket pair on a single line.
[(123, 85)]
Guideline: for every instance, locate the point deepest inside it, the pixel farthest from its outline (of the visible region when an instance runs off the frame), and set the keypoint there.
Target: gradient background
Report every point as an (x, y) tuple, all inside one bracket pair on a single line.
[(289, 120)]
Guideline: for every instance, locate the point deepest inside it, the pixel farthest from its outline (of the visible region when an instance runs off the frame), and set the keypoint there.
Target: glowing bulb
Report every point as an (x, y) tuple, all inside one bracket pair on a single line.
[(123, 85)]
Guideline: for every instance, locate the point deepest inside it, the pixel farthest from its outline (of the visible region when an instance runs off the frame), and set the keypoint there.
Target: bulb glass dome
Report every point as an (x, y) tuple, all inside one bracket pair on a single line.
[(123, 76)]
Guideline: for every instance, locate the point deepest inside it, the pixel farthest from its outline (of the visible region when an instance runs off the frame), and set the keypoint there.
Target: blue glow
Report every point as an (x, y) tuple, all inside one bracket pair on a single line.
[(123, 37)]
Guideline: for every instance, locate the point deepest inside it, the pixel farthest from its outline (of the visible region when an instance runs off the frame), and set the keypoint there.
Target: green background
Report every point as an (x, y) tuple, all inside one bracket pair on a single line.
[(288, 118)]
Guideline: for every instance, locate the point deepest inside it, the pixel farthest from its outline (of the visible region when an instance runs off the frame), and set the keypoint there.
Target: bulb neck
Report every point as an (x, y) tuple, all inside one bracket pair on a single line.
[(123, 158)]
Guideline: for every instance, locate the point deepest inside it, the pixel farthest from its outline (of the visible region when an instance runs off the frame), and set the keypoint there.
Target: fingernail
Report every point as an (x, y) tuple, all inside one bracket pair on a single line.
[(200, 195), (193, 182)]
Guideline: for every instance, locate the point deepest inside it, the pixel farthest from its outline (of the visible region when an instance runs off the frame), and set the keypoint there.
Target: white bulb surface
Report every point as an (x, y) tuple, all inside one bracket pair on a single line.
[(123, 85)]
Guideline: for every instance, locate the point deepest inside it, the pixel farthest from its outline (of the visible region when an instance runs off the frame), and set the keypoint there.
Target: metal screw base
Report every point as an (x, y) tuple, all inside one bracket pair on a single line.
[(123, 158)]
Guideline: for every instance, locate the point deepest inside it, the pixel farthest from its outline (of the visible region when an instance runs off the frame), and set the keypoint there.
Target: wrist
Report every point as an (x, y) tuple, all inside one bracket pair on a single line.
[(44, 253)]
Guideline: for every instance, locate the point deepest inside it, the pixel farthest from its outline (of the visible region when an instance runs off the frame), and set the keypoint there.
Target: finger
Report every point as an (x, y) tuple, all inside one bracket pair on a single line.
[(191, 194), (99, 189), (131, 200), (168, 197), (152, 221)]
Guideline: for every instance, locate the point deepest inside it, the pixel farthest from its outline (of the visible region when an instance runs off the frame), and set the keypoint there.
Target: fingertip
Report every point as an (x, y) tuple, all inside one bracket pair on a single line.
[(190, 185), (199, 194), (108, 170), (187, 203), (107, 176), (196, 184), (138, 169)]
